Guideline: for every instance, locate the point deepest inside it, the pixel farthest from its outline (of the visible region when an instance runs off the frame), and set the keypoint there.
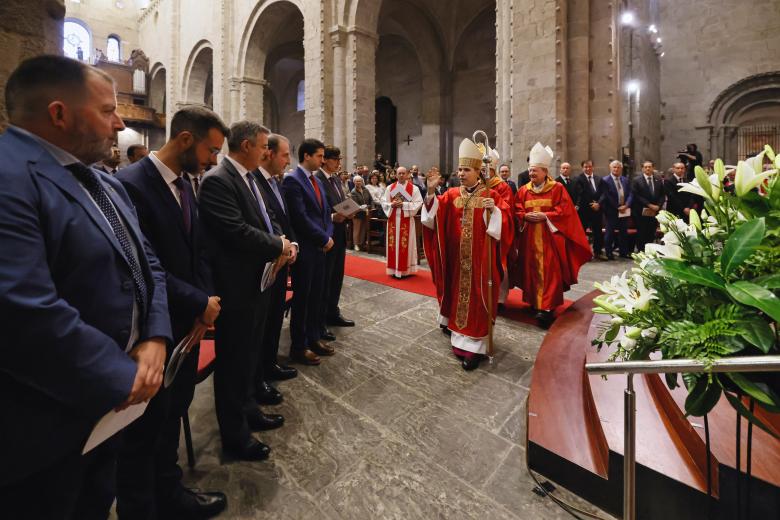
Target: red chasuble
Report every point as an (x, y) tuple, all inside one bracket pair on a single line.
[(500, 186), (399, 234), (457, 254), (550, 256)]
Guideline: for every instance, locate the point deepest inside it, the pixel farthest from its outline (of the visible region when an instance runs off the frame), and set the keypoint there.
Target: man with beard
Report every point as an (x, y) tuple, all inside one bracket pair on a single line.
[(85, 315), (148, 476)]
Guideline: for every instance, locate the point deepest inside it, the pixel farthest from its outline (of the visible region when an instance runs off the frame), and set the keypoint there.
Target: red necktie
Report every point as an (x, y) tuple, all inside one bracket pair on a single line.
[(316, 189)]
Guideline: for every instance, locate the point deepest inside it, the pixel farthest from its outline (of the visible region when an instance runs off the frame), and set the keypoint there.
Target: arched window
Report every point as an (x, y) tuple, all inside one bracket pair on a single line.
[(77, 42), (113, 49), (300, 105)]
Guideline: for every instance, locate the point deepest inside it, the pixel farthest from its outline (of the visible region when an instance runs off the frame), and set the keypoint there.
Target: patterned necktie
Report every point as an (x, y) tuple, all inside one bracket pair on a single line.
[(186, 203), (260, 203), (89, 179), (619, 187)]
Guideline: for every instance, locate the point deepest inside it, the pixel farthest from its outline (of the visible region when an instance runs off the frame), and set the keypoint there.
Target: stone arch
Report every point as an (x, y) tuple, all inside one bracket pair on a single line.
[(474, 78), (752, 101), (271, 55), (198, 85), (158, 88)]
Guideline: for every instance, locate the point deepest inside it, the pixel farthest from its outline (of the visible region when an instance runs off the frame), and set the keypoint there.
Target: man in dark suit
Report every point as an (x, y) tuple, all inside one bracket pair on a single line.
[(310, 214), (648, 192), (334, 259), (84, 315), (680, 203), (616, 198), (524, 177), (148, 476), (241, 242), (587, 203), (564, 177), (268, 177), (506, 173)]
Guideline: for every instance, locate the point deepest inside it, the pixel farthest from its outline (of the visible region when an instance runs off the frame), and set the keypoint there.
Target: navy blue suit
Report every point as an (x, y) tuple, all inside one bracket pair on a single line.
[(313, 227), (278, 291), (66, 308), (148, 466), (609, 201)]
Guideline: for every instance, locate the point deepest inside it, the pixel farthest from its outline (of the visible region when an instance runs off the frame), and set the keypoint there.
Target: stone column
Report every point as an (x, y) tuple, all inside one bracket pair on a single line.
[(360, 96), (316, 65), (27, 29), (251, 94), (504, 75), (337, 41)]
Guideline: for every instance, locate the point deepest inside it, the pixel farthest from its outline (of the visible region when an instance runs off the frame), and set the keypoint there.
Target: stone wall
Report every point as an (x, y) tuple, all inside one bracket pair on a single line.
[(709, 45), (27, 28), (104, 18)]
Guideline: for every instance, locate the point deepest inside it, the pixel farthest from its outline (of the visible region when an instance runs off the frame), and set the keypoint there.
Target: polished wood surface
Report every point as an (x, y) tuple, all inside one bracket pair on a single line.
[(580, 417)]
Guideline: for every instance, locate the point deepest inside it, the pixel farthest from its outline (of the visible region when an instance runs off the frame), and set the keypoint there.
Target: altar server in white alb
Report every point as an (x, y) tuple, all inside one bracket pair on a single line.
[(402, 201)]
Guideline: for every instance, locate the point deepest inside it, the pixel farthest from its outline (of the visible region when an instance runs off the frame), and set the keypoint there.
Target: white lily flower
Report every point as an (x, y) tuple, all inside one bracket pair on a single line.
[(643, 294), (672, 251), (709, 189), (748, 177), (617, 320), (693, 218), (627, 342), (633, 332), (650, 333)]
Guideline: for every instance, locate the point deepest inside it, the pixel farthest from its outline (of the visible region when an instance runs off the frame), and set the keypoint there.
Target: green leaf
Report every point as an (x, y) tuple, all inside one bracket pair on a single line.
[(759, 333), (741, 244), (770, 281), (755, 296), (703, 398), (758, 391), (612, 333), (693, 273), (671, 380), (747, 414)]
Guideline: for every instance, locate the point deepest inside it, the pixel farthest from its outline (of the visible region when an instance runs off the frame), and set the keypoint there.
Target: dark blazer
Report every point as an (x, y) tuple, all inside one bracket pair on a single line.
[(512, 185), (66, 305), (334, 197), (277, 208), (238, 241), (571, 188), (676, 200), (609, 195), (523, 178), (642, 196), (312, 223), (187, 273), (585, 192)]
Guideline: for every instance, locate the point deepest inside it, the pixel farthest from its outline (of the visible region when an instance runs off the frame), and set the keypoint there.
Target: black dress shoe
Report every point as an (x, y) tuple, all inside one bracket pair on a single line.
[(625, 256), (609, 257), (267, 394), (544, 319), (252, 450), (282, 373), (264, 421), (340, 321), (471, 363), (446, 331), (193, 503), (327, 335)]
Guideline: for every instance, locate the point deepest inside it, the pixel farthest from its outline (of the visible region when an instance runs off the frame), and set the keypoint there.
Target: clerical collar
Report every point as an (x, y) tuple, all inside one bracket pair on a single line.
[(472, 189), (537, 189)]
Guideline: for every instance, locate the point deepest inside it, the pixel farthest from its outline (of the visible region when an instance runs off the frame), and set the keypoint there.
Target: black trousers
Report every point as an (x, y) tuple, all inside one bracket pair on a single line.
[(273, 326), (645, 230), (334, 274), (593, 220), (239, 331), (308, 274), (77, 487), (148, 473)]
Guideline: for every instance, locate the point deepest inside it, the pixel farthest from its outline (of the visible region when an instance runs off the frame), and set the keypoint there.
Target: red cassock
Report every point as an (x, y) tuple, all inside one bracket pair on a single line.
[(551, 251), (455, 235)]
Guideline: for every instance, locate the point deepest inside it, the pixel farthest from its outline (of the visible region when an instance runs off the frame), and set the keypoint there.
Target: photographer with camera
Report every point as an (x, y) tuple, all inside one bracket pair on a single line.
[(691, 158)]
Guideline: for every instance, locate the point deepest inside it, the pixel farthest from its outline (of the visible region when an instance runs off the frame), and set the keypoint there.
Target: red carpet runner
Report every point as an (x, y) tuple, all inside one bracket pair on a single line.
[(421, 283)]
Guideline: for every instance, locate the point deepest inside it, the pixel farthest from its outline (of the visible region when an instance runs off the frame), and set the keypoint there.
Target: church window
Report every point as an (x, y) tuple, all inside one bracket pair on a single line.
[(113, 49), (300, 105), (77, 42)]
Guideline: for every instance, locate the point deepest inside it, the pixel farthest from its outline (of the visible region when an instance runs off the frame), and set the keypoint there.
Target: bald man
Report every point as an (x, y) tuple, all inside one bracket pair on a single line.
[(565, 178)]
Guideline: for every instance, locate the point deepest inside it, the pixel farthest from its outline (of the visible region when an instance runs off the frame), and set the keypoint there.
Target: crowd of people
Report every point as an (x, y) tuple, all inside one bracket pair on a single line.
[(105, 272)]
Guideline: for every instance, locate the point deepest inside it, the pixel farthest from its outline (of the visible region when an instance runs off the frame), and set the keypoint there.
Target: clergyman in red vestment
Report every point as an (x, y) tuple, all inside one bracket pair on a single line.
[(401, 202), (458, 228), (552, 244)]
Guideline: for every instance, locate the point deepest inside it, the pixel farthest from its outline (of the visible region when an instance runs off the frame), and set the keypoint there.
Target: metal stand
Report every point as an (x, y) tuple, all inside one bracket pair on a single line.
[(629, 450)]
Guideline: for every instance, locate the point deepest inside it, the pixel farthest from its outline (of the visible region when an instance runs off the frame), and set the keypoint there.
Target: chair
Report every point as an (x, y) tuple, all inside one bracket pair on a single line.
[(377, 226), (206, 360)]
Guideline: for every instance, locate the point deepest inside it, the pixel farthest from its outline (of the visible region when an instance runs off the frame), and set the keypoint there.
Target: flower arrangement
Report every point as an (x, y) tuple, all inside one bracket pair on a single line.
[(709, 290)]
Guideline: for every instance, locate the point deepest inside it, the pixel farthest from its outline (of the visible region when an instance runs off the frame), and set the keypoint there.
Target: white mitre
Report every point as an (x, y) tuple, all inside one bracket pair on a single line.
[(469, 155), (494, 158), (541, 156)]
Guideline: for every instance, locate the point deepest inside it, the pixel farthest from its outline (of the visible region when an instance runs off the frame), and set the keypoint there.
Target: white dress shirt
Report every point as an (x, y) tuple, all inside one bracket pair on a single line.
[(168, 175)]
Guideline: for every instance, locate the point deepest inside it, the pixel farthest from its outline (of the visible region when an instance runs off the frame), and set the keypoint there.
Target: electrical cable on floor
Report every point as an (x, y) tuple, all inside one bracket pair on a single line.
[(545, 489)]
